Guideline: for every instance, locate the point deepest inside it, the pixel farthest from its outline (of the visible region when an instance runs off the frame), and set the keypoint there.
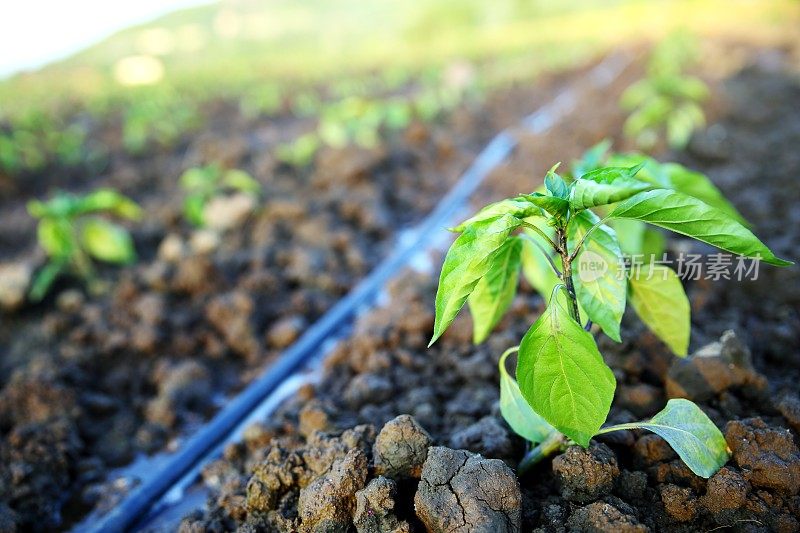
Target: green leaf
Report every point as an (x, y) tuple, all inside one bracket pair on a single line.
[(701, 187), (107, 241), (605, 186), (496, 289), (200, 179), (241, 181), (558, 207), (194, 207), (630, 235), (467, 261), (535, 266), (44, 280), (652, 171), (695, 438), (516, 411), (653, 244), (555, 184), (656, 294), (598, 274), (108, 200), (56, 237), (689, 216), (562, 375), (518, 207)]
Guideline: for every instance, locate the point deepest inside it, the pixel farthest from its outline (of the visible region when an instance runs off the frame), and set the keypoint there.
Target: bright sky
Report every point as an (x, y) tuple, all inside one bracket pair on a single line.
[(36, 32)]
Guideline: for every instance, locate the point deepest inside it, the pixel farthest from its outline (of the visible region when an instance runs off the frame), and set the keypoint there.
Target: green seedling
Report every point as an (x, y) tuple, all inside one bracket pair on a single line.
[(158, 118), (667, 100), (266, 100), (73, 230), (202, 184), (563, 389)]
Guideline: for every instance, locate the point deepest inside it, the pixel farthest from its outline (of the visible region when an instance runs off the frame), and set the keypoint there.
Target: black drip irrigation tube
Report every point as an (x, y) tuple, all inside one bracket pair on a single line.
[(208, 441)]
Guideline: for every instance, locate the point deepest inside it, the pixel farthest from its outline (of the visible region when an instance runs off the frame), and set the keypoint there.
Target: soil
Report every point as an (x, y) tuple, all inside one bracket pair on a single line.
[(88, 383), (347, 454)]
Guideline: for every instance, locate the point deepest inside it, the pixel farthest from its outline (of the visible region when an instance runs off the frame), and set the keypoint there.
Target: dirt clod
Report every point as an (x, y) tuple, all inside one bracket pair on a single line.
[(602, 517), (585, 475), (680, 503), (726, 491), (375, 508), (489, 437), (789, 406), (401, 448), (767, 455), (329, 502), (461, 492), (714, 369)]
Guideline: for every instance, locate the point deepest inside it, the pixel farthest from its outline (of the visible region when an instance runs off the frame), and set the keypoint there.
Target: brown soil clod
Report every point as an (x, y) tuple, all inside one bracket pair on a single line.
[(585, 475), (460, 492)]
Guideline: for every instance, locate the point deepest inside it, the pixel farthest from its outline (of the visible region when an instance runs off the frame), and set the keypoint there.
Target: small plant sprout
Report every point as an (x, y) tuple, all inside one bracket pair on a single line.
[(667, 99), (203, 184), (561, 238), (73, 230)]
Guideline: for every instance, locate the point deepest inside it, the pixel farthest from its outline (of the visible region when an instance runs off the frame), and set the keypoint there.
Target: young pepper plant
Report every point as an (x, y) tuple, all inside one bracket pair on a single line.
[(564, 389), (202, 184), (666, 99), (72, 231)]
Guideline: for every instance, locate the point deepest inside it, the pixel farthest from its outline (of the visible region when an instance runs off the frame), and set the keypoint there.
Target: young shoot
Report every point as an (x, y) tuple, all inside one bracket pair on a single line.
[(666, 100), (203, 184), (562, 240), (73, 230)]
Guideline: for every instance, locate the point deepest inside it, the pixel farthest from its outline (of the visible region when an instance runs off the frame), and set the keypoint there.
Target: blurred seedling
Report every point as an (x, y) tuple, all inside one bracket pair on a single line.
[(563, 389), (203, 184), (157, 118), (73, 230), (667, 100)]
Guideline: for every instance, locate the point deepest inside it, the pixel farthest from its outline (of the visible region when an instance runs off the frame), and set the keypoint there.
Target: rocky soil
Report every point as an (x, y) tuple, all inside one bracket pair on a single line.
[(398, 437), (89, 383)]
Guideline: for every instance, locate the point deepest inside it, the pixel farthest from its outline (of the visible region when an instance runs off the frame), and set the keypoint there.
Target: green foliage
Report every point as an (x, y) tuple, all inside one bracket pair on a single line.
[(157, 118), (515, 408), (601, 294), (690, 432), (36, 139), (656, 294), (666, 100), (560, 373), (496, 289), (468, 260), (689, 216), (300, 152), (202, 184), (73, 230)]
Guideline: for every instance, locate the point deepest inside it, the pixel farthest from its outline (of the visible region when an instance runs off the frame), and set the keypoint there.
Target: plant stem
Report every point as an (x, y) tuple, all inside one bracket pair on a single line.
[(566, 268), (554, 442), (543, 234), (578, 246), (547, 255)]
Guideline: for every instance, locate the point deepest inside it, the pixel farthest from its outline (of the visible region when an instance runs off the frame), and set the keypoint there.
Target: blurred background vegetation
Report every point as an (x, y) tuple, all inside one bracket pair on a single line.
[(229, 46)]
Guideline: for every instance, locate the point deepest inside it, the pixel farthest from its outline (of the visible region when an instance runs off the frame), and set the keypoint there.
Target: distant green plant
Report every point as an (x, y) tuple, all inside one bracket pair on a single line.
[(667, 100), (262, 100), (74, 229), (564, 389), (360, 120), (156, 118), (299, 152), (203, 184), (33, 140)]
